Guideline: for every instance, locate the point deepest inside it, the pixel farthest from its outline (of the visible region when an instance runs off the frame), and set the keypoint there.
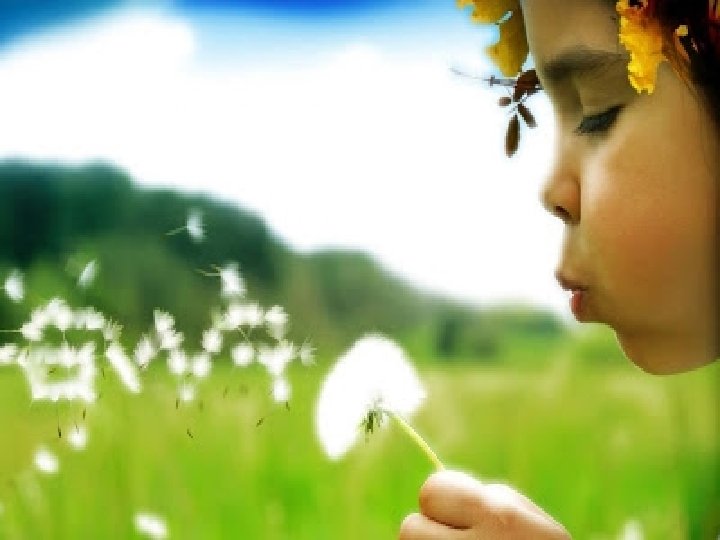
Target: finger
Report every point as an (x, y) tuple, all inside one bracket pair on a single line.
[(452, 498), (504, 494), (419, 527)]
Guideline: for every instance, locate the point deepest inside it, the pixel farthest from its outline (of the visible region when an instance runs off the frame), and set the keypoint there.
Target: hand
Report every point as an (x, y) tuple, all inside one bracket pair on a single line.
[(455, 506)]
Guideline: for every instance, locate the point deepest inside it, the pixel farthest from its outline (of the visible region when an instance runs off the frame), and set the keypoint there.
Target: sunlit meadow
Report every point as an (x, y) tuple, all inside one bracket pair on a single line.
[(219, 440)]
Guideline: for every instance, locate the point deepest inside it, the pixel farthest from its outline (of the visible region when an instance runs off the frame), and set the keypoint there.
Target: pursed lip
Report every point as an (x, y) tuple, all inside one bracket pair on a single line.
[(579, 297)]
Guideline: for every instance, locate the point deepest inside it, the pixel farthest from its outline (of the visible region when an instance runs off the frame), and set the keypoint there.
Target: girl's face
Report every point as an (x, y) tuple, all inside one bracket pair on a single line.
[(635, 180)]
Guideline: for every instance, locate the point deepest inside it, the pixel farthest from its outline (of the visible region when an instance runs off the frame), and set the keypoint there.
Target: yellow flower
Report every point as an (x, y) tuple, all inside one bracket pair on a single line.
[(511, 50), (642, 37)]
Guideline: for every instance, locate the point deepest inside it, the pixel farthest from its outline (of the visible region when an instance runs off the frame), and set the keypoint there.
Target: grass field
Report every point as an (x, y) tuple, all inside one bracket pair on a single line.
[(594, 447)]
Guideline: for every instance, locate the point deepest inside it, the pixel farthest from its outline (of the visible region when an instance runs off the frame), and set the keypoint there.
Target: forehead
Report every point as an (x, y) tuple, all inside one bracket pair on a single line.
[(557, 26)]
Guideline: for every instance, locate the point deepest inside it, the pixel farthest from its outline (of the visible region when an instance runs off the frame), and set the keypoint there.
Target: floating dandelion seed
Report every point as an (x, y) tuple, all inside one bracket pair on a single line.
[(164, 322), (177, 362), (77, 438), (123, 367), (111, 331), (632, 530), (186, 393), (242, 354), (145, 351), (201, 365), (36, 361), (275, 359), (89, 319), (46, 462), (151, 525), (59, 315), (281, 390), (237, 315), (306, 353), (168, 338), (14, 286), (87, 275), (231, 281), (193, 225), (212, 341), (276, 321), (8, 353), (372, 379), (32, 331)]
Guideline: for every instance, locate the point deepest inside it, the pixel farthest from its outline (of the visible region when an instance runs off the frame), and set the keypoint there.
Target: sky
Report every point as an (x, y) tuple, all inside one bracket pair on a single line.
[(340, 123)]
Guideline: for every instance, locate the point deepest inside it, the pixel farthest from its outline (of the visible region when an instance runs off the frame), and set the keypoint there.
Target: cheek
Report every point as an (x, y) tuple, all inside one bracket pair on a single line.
[(648, 233)]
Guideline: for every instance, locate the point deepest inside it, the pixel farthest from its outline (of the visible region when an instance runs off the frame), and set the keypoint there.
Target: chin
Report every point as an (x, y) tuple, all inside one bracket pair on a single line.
[(666, 354)]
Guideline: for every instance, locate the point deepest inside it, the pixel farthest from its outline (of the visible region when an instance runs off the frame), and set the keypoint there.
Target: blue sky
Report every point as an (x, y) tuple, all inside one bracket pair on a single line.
[(340, 123)]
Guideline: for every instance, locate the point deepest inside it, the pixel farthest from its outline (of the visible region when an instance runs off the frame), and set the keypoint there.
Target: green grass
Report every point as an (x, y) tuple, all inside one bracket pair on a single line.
[(594, 447)]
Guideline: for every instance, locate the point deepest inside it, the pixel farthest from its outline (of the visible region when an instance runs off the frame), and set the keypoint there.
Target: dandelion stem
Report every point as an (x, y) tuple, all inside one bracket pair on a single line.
[(176, 231), (415, 436)]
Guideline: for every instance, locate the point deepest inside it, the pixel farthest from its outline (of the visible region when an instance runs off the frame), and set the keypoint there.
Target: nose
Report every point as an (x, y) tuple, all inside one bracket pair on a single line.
[(560, 193)]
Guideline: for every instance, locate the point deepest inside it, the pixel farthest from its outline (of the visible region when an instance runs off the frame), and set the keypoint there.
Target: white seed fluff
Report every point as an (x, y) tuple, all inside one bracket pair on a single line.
[(151, 525), (373, 372)]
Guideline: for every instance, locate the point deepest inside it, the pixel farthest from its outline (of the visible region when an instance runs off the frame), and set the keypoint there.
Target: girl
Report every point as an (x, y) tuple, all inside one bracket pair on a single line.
[(635, 89)]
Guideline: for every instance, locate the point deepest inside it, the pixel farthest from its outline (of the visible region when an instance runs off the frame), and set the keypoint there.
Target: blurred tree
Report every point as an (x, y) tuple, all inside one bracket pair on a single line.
[(55, 219)]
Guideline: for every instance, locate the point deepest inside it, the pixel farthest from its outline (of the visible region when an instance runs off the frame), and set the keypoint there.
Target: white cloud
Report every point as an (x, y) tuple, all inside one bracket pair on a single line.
[(358, 147)]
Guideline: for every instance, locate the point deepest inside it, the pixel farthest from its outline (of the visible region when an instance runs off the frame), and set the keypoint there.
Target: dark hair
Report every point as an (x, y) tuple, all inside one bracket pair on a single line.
[(702, 44)]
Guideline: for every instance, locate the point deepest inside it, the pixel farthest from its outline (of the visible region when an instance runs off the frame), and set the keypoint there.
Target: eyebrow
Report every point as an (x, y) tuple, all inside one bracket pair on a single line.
[(581, 62)]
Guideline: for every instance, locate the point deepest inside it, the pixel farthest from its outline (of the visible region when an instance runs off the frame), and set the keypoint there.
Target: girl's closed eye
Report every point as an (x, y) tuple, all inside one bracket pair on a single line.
[(598, 123)]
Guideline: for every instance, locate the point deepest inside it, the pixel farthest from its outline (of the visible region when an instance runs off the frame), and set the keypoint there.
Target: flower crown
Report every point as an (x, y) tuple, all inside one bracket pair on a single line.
[(640, 31)]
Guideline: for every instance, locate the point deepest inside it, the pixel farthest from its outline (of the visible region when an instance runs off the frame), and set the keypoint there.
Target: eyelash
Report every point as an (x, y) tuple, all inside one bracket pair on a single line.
[(598, 123)]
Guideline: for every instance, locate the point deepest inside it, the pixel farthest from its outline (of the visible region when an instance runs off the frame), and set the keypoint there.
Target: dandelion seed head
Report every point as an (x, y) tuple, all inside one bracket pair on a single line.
[(151, 525), (201, 365), (281, 390), (87, 275), (212, 341), (77, 438), (195, 226), (242, 354), (374, 372), (45, 461)]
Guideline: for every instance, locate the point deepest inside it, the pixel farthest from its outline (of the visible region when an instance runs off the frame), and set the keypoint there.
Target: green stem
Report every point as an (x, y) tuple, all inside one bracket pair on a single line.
[(415, 436)]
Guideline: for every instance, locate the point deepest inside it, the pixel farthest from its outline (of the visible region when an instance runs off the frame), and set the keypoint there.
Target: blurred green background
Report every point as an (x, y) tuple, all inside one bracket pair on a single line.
[(515, 394)]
